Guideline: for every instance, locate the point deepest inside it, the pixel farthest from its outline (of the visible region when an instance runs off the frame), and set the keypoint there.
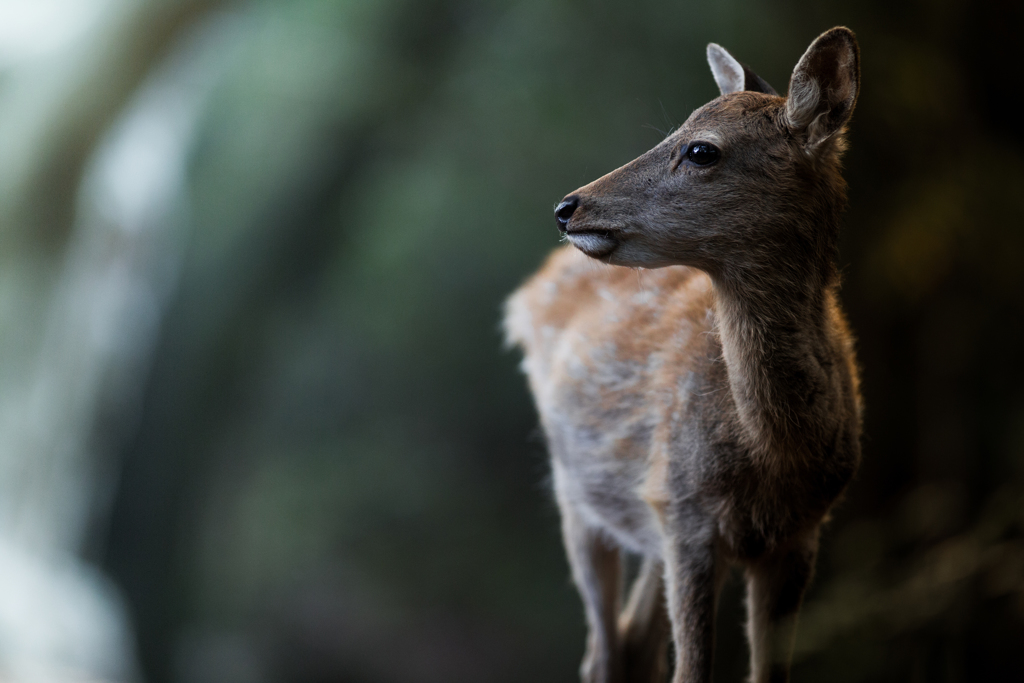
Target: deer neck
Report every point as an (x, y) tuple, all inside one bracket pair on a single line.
[(779, 352)]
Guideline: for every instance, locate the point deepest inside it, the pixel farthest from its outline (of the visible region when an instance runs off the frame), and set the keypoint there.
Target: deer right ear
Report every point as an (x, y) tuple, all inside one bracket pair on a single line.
[(731, 75), (824, 86)]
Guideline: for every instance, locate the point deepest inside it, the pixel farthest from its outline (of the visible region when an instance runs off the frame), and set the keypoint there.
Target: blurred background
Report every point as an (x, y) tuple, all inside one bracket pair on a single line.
[(256, 422)]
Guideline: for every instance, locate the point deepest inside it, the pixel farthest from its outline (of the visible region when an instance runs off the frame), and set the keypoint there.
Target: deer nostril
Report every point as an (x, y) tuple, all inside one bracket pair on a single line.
[(564, 211)]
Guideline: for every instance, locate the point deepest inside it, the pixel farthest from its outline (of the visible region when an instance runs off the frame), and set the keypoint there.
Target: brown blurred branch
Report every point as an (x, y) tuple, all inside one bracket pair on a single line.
[(38, 195), (981, 558)]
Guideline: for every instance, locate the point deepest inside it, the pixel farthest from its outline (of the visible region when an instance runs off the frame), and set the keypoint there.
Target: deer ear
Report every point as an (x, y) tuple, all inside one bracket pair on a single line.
[(731, 75), (824, 86)]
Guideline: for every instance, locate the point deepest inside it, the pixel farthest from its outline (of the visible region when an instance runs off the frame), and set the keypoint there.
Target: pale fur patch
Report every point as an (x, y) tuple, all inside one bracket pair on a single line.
[(804, 96)]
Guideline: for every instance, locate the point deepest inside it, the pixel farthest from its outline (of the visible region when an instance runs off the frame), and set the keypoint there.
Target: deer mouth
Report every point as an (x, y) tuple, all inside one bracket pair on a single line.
[(593, 243)]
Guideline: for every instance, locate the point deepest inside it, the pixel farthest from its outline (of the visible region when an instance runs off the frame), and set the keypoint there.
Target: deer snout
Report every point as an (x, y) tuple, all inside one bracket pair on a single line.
[(564, 211)]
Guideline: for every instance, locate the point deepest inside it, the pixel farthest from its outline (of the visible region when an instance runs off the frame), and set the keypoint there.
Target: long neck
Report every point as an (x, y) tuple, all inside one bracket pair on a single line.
[(781, 357)]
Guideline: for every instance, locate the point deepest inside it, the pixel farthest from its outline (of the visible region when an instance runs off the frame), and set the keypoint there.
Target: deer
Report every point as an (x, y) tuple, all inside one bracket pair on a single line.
[(694, 374)]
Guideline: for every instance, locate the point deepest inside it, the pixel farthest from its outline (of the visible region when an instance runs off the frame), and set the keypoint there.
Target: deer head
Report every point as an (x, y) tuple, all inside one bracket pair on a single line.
[(749, 182)]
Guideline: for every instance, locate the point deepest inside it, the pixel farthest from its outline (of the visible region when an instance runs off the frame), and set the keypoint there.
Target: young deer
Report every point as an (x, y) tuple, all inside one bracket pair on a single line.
[(707, 412)]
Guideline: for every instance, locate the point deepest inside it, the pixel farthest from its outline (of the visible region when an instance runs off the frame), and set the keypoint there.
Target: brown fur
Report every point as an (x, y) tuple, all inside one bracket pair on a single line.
[(706, 412)]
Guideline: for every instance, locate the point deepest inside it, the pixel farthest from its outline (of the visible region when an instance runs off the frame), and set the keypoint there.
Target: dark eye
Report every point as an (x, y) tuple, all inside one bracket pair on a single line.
[(702, 153)]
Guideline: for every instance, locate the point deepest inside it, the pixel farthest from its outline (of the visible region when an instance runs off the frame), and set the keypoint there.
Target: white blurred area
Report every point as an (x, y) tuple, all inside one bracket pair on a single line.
[(82, 291), (30, 29)]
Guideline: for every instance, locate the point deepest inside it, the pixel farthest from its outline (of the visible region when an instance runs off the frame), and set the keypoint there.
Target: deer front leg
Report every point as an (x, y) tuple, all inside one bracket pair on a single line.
[(597, 572), (775, 588), (644, 627), (693, 575)]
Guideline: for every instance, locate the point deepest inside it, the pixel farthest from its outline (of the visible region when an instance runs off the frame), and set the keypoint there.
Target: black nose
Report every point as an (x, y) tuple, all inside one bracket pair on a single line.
[(563, 212)]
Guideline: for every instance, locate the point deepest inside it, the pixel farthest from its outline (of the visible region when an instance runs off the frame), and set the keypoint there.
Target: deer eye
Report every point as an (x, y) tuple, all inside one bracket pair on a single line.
[(702, 153)]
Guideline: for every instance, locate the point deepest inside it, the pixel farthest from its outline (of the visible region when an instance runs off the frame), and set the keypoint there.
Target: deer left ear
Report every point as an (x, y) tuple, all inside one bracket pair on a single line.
[(731, 75), (824, 87)]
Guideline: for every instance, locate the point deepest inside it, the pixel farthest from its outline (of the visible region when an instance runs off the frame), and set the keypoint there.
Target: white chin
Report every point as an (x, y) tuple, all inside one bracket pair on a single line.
[(593, 244)]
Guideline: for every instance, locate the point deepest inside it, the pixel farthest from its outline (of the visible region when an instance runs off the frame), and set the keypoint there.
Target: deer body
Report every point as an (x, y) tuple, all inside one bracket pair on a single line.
[(705, 412)]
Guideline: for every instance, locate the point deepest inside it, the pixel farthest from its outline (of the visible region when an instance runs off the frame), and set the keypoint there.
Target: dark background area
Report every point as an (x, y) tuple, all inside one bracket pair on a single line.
[(319, 465)]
